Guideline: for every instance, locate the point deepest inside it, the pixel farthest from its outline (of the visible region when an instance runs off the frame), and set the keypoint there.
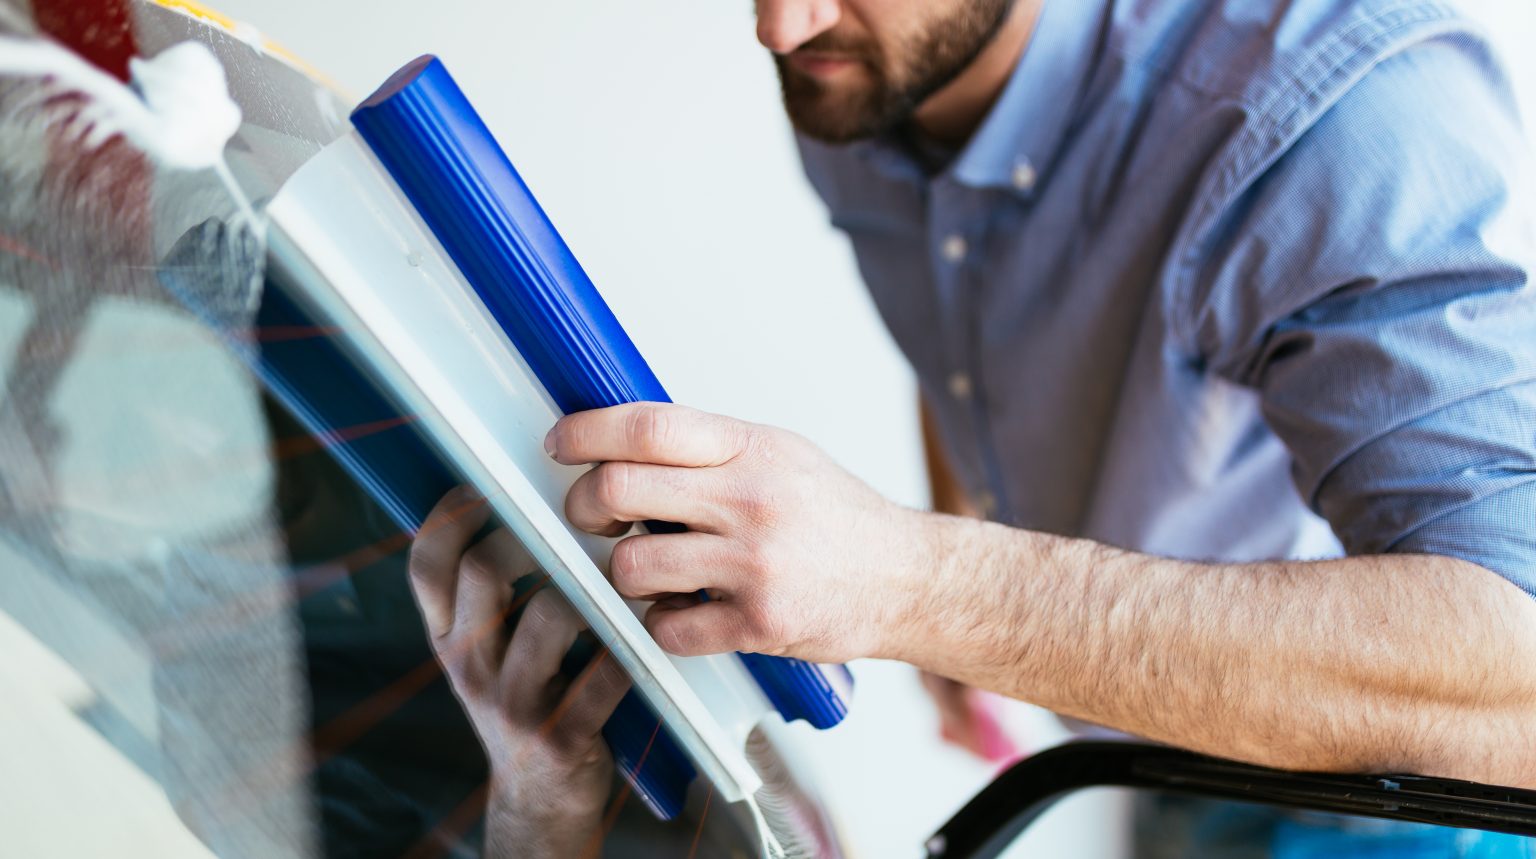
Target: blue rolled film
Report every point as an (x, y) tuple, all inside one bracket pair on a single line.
[(438, 151)]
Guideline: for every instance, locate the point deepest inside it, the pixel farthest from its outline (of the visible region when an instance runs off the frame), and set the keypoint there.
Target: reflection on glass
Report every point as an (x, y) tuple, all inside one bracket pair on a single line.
[(137, 536), (1175, 826), (1161, 825), (213, 643)]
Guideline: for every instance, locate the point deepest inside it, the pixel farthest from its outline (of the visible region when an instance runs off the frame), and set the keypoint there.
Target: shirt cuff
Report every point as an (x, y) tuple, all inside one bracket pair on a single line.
[(1497, 532)]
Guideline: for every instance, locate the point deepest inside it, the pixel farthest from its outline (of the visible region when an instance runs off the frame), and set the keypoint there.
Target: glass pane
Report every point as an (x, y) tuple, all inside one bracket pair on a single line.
[(213, 644), (1091, 824), (1115, 823), (1174, 826)]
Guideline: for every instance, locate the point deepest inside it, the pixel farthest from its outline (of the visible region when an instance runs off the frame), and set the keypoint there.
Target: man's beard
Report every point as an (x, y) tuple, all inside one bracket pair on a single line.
[(896, 83)]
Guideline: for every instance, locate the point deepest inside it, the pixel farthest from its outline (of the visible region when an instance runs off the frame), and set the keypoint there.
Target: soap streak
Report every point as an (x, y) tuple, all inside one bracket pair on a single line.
[(179, 74)]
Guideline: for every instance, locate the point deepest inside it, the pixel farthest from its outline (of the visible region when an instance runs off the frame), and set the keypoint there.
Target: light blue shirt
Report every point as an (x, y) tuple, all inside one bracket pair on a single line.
[(1234, 280)]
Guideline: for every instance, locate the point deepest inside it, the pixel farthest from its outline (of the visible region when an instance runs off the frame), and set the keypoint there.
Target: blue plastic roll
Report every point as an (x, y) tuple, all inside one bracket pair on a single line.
[(441, 155)]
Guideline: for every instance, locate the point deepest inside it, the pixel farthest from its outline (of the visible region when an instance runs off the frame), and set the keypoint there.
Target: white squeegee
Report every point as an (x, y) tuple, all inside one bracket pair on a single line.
[(415, 239)]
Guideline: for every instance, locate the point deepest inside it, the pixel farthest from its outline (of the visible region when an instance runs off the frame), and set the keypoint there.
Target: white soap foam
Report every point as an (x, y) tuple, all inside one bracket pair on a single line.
[(250, 35), (186, 93), (182, 116)]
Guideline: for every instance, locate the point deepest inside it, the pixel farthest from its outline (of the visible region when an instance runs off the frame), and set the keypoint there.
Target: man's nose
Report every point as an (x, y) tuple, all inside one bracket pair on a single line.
[(784, 25)]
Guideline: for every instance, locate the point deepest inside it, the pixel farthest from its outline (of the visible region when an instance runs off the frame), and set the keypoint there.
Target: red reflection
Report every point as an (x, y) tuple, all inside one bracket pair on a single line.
[(98, 30), (16, 247)]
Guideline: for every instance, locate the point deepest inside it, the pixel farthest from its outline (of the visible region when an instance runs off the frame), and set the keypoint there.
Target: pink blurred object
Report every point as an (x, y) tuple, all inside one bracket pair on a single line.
[(984, 733), (996, 746)]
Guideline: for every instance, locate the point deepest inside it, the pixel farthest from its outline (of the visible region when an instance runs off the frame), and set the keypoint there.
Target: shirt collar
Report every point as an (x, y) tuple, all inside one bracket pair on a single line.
[(1026, 126)]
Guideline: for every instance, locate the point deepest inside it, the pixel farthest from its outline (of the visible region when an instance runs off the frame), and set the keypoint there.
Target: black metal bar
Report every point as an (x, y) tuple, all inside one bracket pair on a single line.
[(1005, 808)]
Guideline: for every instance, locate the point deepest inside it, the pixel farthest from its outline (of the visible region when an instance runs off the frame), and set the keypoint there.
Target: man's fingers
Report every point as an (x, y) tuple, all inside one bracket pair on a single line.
[(436, 551), (592, 697), (545, 632), (648, 566), (608, 498), (484, 592), (659, 433), (697, 630)]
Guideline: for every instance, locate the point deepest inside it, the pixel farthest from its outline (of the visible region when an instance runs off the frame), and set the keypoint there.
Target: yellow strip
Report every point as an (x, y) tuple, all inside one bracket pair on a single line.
[(200, 11), (230, 25)]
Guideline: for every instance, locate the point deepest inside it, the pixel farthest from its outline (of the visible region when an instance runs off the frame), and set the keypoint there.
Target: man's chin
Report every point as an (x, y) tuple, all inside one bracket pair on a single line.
[(832, 112), (834, 122)]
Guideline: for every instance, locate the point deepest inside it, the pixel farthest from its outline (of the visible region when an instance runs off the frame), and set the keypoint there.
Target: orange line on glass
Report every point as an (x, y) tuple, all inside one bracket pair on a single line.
[(463, 816), (441, 839), (304, 583), (331, 738), (334, 736), (16, 247), (699, 832), (611, 817)]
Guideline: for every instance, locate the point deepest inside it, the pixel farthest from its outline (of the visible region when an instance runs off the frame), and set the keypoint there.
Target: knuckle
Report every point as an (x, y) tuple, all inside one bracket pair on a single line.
[(422, 559), (543, 609), (629, 561), (654, 430), (605, 678), (476, 568), (763, 625), (761, 559), (574, 434), (761, 504), (760, 443), (675, 637), (611, 677), (612, 485)]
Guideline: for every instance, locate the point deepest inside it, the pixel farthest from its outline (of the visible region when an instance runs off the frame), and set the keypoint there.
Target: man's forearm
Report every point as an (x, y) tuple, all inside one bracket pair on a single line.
[(1392, 663), (1389, 663)]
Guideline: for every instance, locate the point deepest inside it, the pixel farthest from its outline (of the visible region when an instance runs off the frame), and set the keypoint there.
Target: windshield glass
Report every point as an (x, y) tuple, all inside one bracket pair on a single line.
[(212, 525)]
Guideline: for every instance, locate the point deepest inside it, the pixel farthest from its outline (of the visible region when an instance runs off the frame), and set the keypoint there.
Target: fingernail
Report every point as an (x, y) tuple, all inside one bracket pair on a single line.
[(549, 443)]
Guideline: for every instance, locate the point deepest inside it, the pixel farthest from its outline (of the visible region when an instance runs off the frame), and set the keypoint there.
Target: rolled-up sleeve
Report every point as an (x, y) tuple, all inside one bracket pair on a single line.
[(1374, 285)]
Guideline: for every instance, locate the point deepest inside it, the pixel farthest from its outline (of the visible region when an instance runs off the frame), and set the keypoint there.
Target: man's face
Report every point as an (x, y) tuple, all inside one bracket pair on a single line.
[(852, 69)]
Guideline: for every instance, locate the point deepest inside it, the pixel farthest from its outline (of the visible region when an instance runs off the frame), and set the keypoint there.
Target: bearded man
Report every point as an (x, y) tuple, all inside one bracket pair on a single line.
[(1223, 320)]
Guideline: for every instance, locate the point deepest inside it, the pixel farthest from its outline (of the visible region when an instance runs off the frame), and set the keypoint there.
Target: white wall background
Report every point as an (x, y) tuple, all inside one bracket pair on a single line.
[(651, 132)]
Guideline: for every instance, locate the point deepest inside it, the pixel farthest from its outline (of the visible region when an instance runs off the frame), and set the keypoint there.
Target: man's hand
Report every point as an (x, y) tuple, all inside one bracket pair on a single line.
[(550, 770), (798, 557), (1381, 663)]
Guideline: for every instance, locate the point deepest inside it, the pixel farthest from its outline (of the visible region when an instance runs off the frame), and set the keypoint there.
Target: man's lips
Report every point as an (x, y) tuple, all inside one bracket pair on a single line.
[(821, 63)]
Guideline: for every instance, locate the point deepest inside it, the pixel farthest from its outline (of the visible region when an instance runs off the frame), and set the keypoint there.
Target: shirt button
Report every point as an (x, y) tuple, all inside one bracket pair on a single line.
[(987, 503), (955, 248), (960, 386), (1024, 175)]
